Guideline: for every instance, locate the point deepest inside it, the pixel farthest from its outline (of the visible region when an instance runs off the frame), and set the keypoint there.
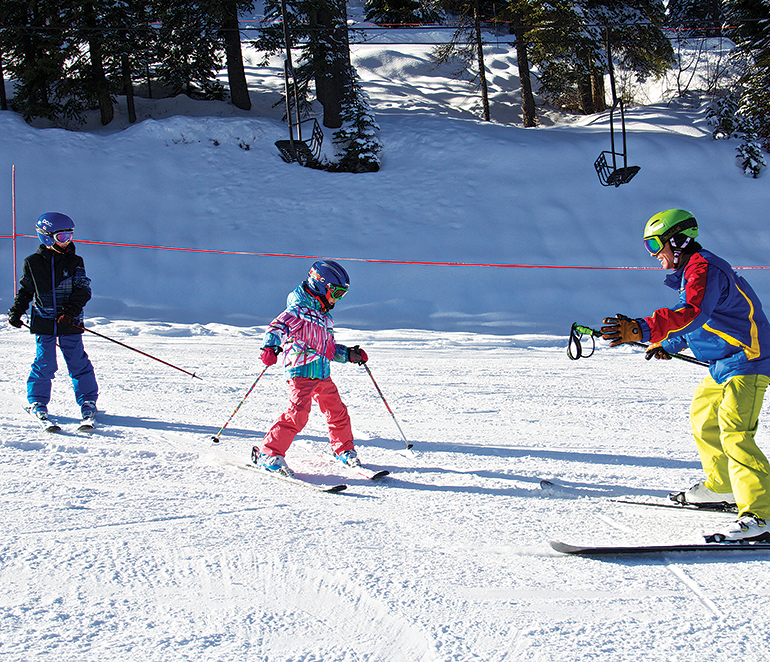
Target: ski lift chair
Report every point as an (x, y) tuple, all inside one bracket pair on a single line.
[(305, 152), (607, 165)]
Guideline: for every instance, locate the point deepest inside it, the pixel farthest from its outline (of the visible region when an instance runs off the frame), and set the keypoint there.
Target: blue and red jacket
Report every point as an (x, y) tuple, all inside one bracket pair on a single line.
[(719, 317)]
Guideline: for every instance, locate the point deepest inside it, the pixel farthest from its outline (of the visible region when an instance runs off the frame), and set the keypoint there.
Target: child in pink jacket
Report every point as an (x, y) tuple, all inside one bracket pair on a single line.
[(305, 334)]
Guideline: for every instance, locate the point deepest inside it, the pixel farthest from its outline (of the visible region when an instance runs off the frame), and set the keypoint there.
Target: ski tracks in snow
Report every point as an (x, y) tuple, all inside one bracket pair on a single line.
[(676, 570)]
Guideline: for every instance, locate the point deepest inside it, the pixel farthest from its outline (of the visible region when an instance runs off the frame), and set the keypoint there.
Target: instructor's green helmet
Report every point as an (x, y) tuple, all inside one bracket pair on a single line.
[(665, 224)]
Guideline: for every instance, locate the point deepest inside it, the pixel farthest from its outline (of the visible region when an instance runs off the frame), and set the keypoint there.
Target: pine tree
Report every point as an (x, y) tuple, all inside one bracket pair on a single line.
[(357, 141), (397, 13), (318, 39), (36, 49), (188, 49), (751, 33), (572, 56), (467, 45)]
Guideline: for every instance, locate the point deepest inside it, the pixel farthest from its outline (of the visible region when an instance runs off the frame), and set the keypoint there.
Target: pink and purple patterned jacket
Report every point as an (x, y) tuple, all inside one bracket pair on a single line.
[(306, 334)]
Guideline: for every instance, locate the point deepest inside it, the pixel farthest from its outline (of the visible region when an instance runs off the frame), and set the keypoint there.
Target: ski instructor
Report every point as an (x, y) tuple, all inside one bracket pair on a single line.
[(719, 317)]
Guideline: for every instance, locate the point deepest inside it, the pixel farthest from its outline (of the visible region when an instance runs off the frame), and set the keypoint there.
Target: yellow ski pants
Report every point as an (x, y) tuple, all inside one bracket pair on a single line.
[(724, 419)]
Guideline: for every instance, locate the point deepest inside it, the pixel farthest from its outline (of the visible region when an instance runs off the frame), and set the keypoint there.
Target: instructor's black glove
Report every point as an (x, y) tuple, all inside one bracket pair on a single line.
[(621, 329), (655, 350)]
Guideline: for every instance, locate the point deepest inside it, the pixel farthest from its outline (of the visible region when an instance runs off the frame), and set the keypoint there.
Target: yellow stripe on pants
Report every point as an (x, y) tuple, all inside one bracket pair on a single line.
[(724, 419)]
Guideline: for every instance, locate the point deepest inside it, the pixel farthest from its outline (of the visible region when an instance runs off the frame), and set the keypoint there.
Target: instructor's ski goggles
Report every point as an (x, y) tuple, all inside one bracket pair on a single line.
[(336, 292), (654, 244)]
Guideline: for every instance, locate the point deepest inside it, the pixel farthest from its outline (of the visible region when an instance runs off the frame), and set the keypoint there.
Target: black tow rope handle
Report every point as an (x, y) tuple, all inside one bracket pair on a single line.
[(575, 346)]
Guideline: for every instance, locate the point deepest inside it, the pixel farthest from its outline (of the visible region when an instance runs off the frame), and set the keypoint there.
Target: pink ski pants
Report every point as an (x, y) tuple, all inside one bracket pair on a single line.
[(303, 391)]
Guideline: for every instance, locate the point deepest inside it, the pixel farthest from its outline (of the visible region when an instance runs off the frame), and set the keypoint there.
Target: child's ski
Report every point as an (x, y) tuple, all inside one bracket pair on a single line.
[(294, 480), (371, 474), (44, 423), (555, 488), (88, 423)]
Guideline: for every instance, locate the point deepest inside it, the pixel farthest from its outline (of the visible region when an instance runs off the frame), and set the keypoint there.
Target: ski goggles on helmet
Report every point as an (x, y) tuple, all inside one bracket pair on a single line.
[(336, 292), (654, 245), (63, 236)]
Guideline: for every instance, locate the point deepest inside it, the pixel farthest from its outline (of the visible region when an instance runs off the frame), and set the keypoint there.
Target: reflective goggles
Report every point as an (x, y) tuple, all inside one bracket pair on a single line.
[(63, 236), (654, 245), (336, 292)]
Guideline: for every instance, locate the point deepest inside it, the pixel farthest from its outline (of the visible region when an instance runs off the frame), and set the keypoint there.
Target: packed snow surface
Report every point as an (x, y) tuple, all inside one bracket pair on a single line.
[(144, 542)]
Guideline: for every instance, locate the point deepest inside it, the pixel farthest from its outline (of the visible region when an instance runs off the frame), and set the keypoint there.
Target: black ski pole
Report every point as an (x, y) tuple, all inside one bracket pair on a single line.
[(215, 438), (138, 351), (577, 332), (387, 406)]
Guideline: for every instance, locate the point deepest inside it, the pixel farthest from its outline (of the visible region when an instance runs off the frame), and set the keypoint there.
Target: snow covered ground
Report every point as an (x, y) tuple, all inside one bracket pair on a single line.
[(140, 542), (144, 542)]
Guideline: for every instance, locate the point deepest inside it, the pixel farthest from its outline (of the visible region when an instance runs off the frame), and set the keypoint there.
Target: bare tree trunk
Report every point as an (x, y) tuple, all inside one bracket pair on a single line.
[(585, 95), (482, 69), (128, 88), (598, 92), (239, 89), (101, 86), (3, 99), (331, 72), (528, 110)]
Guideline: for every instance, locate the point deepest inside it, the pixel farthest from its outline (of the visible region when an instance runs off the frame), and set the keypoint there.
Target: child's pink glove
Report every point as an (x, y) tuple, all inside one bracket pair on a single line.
[(357, 355), (269, 355)]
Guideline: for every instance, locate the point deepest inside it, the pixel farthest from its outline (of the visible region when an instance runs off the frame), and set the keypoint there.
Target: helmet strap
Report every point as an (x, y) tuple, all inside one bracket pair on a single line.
[(325, 305), (678, 243)]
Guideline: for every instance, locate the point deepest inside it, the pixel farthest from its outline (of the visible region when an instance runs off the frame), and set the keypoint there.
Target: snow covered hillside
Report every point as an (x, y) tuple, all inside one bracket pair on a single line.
[(452, 189), (143, 542)]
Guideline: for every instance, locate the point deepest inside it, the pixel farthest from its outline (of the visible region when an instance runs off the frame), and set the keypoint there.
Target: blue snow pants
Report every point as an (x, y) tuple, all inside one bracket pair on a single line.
[(44, 368)]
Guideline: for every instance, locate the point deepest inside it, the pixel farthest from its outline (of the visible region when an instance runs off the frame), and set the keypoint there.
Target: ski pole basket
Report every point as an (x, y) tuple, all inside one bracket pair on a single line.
[(607, 165)]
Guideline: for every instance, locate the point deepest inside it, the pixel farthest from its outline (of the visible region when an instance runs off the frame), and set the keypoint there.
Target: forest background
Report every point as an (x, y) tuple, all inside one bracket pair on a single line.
[(67, 58)]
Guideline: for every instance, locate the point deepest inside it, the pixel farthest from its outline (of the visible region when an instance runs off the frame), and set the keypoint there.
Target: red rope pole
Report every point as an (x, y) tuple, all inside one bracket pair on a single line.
[(13, 216)]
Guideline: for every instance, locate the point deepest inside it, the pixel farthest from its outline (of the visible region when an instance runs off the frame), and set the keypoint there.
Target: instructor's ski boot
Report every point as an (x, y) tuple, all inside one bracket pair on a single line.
[(702, 497), (748, 528)]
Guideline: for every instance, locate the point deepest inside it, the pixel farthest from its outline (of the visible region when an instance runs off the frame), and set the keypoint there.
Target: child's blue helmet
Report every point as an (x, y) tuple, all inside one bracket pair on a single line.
[(50, 224), (327, 275)]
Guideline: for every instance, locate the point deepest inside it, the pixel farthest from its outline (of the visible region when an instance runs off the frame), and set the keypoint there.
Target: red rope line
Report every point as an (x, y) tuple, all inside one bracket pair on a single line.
[(427, 263)]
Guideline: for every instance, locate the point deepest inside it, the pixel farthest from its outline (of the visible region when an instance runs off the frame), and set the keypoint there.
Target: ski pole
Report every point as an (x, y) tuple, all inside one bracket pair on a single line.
[(577, 332), (138, 351), (387, 406), (215, 438)]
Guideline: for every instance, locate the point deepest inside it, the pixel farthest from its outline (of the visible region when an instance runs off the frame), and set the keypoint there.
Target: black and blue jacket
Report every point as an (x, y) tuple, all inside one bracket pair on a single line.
[(56, 284)]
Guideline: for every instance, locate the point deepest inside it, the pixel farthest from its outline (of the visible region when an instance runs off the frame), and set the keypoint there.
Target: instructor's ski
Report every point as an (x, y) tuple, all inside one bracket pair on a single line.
[(566, 548), (294, 480), (714, 508)]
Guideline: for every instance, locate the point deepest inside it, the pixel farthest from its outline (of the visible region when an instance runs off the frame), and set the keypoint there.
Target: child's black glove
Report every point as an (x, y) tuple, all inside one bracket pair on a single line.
[(14, 318)]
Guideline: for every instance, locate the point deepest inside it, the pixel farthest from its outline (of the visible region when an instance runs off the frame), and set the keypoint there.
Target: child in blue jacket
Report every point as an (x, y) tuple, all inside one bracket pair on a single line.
[(54, 281)]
